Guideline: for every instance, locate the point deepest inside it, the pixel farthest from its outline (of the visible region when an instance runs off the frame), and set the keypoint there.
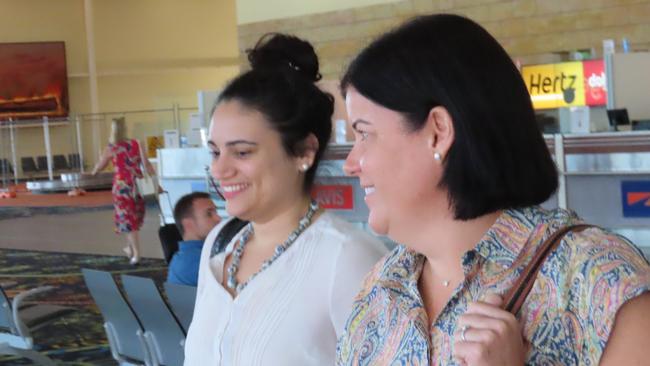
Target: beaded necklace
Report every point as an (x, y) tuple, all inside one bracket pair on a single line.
[(281, 248)]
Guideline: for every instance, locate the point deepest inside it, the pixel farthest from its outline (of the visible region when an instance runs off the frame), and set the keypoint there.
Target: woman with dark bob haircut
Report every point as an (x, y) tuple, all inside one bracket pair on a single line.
[(280, 292), (454, 168)]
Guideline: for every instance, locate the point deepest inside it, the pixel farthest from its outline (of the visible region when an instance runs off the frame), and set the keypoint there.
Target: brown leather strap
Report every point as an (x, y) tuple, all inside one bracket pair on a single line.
[(514, 299)]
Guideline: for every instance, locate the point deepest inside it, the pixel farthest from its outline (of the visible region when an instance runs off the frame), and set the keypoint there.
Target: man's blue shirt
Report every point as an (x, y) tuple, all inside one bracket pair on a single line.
[(184, 266)]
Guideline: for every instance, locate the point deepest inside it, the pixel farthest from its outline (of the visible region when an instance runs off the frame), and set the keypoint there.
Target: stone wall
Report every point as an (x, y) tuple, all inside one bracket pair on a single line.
[(532, 31)]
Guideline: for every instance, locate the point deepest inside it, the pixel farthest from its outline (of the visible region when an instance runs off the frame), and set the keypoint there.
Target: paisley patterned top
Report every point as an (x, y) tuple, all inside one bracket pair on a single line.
[(567, 316)]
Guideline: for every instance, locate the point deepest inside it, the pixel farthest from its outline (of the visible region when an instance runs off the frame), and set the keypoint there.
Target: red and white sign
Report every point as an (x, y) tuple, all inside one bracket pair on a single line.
[(338, 197), (595, 82)]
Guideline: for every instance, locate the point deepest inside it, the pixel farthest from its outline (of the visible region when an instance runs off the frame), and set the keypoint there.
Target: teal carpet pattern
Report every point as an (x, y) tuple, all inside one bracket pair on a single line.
[(79, 338)]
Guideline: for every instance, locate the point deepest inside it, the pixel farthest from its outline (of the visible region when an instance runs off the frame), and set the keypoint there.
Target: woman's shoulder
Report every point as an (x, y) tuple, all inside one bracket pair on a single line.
[(602, 257), (348, 238), (587, 279), (593, 256), (586, 248)]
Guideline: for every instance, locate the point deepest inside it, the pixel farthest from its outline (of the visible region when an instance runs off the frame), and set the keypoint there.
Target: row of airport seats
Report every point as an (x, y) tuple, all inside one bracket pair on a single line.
[(31, 166), (146, 329), (59, 163)]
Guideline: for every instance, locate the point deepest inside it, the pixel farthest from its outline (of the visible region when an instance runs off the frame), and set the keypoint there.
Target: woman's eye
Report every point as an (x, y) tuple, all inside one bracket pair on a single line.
[(364, 135), (361, 135), (215, 154), (243, 154)]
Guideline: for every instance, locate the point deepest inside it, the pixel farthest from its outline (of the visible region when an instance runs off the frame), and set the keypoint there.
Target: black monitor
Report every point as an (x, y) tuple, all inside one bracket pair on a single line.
[(618, 117)]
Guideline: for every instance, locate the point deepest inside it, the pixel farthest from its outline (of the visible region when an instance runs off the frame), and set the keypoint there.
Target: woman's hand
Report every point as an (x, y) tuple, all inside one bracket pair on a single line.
[(489, 335)]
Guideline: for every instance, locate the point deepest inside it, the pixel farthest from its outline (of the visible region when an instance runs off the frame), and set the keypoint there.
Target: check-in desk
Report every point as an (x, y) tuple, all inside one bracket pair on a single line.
[(605, 178)]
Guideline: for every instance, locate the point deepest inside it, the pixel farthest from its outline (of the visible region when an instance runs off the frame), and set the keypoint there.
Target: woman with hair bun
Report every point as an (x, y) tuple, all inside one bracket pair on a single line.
[(281, 290)]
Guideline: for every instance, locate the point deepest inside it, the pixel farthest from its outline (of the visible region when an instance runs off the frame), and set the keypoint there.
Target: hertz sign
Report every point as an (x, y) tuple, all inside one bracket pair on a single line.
[(567, 84)]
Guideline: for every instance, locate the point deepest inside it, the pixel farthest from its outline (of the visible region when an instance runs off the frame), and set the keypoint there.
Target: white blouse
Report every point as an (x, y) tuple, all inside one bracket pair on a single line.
[(290, 314)]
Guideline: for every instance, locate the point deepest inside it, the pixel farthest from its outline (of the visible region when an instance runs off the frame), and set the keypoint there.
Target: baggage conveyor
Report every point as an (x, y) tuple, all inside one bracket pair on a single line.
[(69, 181)]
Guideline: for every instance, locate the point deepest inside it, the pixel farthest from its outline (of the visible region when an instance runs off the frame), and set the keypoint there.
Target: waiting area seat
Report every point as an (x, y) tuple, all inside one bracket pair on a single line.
[(75, 161), (143, 330), (181, 299), (123, 328), (6, 167), (164, 335), (18, 320), (41, 163), (60, 162), (169, 237), (28, 166)]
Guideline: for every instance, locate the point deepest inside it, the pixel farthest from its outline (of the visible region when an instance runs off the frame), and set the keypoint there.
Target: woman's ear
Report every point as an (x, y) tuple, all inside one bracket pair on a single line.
[(308, 150), (440, 127)]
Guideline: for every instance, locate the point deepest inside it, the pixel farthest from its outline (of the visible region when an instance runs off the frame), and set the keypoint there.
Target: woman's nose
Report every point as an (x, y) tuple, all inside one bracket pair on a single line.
[(352, 164), (219, 168)]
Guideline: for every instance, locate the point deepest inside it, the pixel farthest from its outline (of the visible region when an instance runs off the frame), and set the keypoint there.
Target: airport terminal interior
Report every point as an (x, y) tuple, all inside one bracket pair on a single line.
[(69, 68)]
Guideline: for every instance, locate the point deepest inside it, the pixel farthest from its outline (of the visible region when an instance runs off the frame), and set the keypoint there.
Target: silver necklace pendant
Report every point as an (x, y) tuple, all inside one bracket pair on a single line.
[(238, 251), (445, 283)]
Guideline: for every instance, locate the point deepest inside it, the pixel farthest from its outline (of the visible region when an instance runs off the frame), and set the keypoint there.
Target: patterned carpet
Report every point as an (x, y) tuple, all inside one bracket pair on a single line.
[(79, 338)]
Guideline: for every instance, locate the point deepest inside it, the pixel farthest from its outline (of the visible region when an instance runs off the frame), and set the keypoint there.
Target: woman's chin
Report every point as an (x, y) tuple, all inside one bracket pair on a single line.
[(378, 226), (234, 210)]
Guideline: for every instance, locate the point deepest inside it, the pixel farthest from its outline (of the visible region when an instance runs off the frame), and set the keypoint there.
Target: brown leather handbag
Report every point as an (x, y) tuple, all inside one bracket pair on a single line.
[(515, 297)]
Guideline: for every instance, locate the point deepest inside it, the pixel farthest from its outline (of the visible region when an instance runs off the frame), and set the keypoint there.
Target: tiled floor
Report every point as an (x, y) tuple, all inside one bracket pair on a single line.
[(80, 232)]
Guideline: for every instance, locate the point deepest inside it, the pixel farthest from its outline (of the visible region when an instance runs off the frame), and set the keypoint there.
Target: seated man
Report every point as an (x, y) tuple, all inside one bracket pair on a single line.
[(195, 215)]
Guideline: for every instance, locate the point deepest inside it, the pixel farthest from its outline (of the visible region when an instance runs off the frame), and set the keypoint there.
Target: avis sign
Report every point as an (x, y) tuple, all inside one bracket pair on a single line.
[(335, 196), (566, 84), (636, 198)]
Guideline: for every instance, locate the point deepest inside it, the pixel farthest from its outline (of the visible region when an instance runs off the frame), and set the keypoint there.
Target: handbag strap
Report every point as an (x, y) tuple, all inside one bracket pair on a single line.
[(143, 165), (515, 297), (228, 231)]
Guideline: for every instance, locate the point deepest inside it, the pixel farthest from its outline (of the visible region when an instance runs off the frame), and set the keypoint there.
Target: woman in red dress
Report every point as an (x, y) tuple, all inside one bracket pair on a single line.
[(126, 156)]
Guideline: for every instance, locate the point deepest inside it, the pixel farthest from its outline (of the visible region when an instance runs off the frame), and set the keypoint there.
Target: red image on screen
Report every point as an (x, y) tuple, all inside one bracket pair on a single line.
[(33, 80)]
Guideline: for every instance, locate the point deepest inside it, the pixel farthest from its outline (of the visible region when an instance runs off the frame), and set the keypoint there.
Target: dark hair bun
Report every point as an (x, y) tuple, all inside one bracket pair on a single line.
[(281, 52)]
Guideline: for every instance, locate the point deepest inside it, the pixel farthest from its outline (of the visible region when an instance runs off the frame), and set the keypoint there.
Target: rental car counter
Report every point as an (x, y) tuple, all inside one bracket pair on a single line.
[(604, 177)]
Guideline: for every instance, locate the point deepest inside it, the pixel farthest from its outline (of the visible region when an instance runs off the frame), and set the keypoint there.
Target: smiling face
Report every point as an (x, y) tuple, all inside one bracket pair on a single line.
[(258, 178), (395, 167)]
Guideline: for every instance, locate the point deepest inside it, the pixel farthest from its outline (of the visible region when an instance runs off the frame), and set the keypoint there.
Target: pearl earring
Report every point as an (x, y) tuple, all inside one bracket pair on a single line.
[(437, 156), (304, 167)]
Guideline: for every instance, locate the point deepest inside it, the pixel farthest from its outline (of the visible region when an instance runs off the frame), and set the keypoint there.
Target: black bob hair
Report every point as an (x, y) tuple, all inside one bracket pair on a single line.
[(281, 86), (499, 159)]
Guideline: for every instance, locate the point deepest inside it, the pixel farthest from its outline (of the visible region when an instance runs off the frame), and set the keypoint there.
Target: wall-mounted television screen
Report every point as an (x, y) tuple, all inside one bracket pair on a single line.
[(33, 80)]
